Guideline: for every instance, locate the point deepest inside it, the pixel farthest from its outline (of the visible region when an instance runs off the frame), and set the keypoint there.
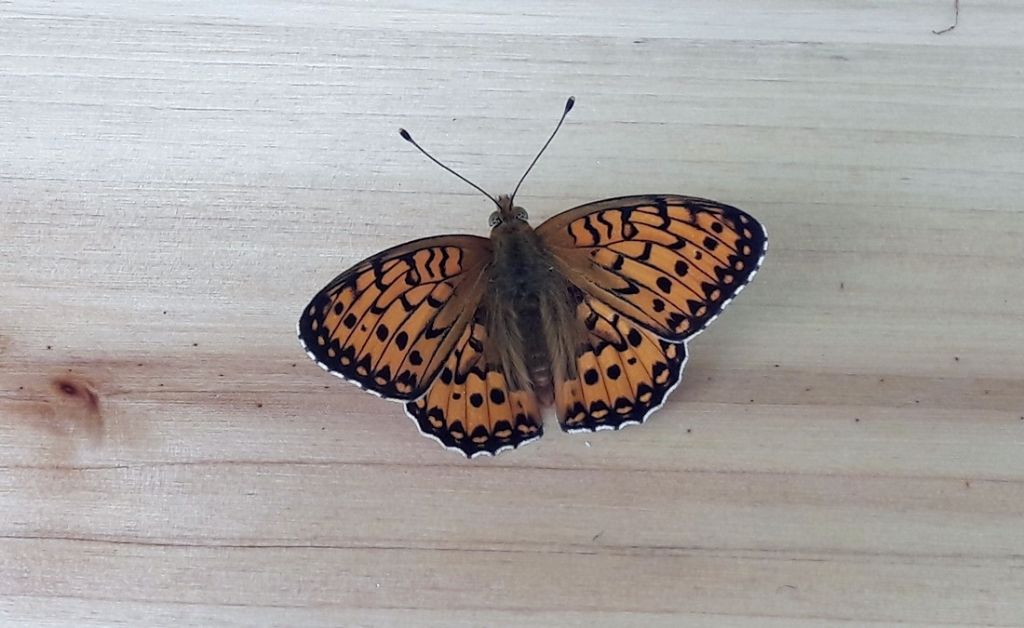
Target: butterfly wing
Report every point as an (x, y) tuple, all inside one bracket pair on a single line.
[(390, 322), (653, 271), (669, 263), (623, 372), (470, 408)]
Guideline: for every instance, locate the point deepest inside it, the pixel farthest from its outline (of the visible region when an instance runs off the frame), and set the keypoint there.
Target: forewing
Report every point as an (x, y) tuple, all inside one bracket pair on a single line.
[(389, 322), (670, 263), (623, 372), (470, 408)]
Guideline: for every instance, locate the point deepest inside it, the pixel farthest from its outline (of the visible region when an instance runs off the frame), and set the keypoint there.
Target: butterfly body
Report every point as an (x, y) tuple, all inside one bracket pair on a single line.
[(529, 309)]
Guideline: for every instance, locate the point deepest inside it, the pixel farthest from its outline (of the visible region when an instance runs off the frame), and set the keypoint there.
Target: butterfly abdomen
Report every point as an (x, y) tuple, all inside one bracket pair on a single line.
[(537, 360)]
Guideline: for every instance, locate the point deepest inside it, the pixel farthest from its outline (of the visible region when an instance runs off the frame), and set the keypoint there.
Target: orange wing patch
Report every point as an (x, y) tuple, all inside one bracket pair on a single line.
[(623, 373), (670, 263), (470, 407), (389, 323)]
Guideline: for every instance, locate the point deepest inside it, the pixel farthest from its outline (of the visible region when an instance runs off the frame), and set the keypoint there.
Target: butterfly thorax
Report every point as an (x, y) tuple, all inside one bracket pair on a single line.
[(531, 321)]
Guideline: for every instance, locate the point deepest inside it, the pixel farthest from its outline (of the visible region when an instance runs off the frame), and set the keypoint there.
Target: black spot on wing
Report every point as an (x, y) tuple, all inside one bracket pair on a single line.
[(402, 340)]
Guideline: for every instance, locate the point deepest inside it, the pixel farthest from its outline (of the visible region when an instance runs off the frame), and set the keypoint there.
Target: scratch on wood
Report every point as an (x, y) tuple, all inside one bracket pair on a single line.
[(956, 19)]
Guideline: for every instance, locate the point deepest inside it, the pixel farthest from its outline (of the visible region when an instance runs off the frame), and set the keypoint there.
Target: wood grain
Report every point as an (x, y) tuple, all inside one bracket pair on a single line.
[(177, 179)]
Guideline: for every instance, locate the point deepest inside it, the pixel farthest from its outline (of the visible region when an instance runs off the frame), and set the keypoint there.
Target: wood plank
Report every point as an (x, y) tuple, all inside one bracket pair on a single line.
[(178, 179)]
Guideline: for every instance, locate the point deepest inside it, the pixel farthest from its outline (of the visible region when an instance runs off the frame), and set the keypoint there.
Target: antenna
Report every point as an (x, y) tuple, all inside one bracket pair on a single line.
[(408, 138), (568, 107)]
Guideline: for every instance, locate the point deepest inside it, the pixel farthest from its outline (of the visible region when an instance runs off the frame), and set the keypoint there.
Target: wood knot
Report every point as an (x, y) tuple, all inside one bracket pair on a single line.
[(78, 390), (75, 405)]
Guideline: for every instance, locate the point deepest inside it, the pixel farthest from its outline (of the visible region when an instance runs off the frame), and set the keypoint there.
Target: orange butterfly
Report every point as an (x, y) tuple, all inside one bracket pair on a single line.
[(590, 311)]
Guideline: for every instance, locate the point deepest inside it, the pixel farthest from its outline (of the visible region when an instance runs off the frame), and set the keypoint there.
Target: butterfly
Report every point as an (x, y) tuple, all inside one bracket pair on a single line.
[(590, 312)]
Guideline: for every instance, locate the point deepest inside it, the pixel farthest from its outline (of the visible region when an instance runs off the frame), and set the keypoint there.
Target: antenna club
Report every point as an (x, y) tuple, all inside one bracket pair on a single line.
[(569, 103), (405, 135)]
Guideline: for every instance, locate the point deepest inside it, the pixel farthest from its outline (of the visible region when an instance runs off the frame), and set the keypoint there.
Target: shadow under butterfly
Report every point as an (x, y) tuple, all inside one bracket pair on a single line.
[(591, 312)]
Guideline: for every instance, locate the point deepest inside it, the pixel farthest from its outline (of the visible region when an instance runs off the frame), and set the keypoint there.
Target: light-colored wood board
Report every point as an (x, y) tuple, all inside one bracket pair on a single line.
[(178, 179)]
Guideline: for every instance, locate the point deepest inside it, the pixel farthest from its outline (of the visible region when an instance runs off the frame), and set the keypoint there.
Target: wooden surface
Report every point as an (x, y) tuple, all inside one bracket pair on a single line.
[(178, 179)]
